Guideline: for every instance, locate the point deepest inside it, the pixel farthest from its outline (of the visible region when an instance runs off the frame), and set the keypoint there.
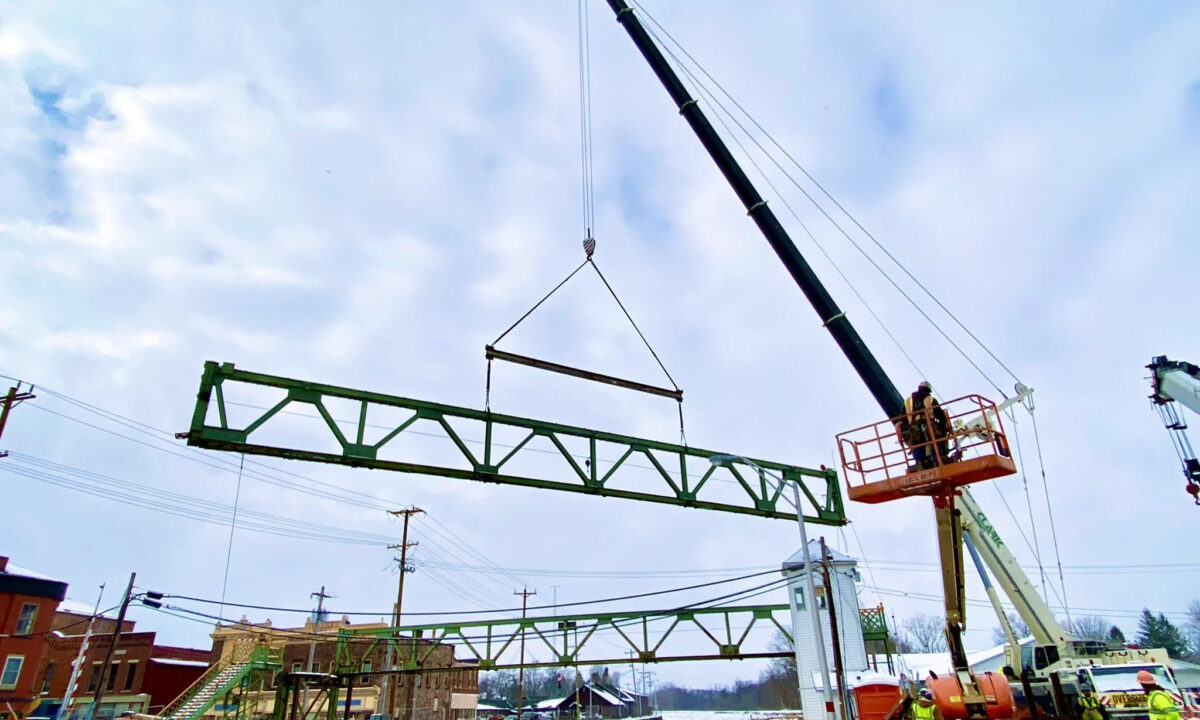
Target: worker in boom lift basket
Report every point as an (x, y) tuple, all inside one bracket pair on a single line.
[(1158, 701), (923, 421), (924, 708)]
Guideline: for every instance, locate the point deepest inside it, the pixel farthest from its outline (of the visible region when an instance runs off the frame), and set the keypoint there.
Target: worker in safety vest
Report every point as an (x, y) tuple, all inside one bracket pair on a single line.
[(1158, 701), (924, 708), (1089, 705), (923, 421)]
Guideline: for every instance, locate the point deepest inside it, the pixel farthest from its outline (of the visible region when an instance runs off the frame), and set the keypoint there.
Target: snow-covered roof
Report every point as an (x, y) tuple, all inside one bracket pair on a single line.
[(76, 608), (549, 704), (918, 665), (26, 572), (174, 661), (481, 706), (796, 561), (605, 695), (870, 677)]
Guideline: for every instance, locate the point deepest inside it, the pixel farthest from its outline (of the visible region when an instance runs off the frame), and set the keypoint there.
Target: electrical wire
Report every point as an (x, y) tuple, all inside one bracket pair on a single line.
[(1050, 511), (579, 603)]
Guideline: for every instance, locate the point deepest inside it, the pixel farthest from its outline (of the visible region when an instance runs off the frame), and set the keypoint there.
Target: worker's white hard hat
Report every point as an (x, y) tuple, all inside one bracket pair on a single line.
[(924, 385)]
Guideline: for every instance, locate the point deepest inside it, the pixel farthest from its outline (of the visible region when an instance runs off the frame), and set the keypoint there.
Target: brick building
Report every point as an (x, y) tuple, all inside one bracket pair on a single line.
[(27, 605), (143, 678), (41, 632), (436, 694)]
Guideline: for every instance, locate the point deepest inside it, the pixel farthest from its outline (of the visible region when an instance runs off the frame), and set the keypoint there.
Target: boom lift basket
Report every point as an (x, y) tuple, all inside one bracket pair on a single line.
[(932, 459)]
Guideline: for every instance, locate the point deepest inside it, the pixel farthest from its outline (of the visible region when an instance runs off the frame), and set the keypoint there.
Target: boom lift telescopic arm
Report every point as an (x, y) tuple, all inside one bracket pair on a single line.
[(835, 321)]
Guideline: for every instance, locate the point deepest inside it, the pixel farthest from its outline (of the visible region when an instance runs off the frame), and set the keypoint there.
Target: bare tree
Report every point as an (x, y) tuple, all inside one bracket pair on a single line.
[(926, 633), (1020, 629), (1089, 627), (1191, 629)]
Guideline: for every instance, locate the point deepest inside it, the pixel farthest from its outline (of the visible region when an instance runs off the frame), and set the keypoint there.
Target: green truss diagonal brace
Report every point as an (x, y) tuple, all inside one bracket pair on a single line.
[(679, 475), (567, 639)]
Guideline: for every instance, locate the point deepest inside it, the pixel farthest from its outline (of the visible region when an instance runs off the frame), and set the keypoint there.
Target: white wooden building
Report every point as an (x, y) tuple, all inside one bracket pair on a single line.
[(843, 578)]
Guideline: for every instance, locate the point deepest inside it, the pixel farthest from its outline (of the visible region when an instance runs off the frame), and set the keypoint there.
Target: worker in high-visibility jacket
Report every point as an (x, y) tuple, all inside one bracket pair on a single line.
[(924, 708), (1089, 705), (924, 421), (1159, 702)]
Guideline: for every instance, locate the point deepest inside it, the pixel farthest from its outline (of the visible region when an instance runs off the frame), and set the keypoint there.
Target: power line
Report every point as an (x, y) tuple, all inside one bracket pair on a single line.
[(497, 610)]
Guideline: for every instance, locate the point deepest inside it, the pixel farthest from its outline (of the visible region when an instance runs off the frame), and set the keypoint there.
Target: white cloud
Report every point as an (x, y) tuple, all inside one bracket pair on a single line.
[(367, 196)]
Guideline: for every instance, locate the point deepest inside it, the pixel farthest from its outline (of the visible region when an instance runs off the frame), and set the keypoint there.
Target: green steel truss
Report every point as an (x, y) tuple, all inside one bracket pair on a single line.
[(646, 633), (686, 484)]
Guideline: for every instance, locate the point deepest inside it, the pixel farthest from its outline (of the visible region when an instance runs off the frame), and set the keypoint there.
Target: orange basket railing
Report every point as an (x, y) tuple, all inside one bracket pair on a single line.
[(927, 451)]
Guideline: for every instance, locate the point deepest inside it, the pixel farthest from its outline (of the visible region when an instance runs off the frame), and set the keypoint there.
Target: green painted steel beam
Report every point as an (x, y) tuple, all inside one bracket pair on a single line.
[(686, 484), (650, 634)]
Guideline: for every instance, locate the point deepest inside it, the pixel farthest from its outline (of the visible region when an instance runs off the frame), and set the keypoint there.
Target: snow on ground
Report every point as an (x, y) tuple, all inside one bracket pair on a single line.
[(723, 714)]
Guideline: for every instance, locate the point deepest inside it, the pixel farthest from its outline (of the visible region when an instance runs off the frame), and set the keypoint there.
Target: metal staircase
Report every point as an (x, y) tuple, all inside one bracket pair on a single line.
[(219, 680)]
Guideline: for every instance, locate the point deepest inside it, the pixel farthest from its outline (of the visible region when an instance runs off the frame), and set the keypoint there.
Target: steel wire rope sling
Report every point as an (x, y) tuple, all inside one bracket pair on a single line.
[(491, 352)]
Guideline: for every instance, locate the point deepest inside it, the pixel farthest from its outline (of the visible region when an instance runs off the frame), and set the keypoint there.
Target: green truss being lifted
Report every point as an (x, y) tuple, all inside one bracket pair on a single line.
[(686, 484), (646, 633)]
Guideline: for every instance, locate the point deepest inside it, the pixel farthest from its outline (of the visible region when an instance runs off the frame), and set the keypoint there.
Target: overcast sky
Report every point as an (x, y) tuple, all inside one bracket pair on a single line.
[(366, 194)]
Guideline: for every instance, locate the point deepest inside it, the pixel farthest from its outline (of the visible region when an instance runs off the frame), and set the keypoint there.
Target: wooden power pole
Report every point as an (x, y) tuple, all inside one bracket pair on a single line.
[(405, 568), (10, 401), (525, 593), (839, 669), (112, 648)]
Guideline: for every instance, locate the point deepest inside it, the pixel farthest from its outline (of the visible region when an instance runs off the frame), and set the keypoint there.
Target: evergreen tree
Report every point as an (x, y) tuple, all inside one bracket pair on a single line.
[(1145, 631), (1161, 632), (1115, 635)]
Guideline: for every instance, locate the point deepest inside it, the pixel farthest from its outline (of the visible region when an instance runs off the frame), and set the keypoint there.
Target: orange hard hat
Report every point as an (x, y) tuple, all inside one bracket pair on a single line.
[(1145, 677)]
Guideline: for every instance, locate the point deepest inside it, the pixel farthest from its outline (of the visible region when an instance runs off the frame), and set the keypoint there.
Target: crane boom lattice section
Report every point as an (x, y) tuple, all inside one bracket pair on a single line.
[(572, 459), (652, 635)]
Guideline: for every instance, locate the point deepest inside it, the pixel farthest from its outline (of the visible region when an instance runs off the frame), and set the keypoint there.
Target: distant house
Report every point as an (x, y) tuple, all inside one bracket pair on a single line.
[(598, 699)]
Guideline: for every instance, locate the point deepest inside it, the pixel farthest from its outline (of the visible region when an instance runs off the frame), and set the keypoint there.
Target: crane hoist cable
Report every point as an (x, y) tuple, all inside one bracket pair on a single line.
[(589, 247)]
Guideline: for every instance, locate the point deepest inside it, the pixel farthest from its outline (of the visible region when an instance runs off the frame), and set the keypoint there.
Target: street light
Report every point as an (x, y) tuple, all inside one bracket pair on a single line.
[(811, 602)]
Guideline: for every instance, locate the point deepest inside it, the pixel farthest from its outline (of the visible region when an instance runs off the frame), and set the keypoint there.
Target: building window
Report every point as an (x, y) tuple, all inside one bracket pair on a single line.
[(26, 618), (111, 680), (94, 682), (366, 667), (47, 679), (130, 674), (798, 593), (296, 667), (315, 667), (12, 671)]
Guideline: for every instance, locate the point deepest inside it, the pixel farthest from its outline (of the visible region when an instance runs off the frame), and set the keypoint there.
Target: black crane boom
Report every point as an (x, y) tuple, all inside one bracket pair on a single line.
[(832, 317)]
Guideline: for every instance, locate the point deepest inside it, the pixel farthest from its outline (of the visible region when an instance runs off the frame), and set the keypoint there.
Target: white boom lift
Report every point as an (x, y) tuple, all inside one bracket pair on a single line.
[(1057, 665)]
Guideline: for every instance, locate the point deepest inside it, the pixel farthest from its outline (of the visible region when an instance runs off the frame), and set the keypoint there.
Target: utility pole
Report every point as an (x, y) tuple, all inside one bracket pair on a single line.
[(525, 593), (11, 400), (389, 689), (312, 645), (112, 648), (831, 602)]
